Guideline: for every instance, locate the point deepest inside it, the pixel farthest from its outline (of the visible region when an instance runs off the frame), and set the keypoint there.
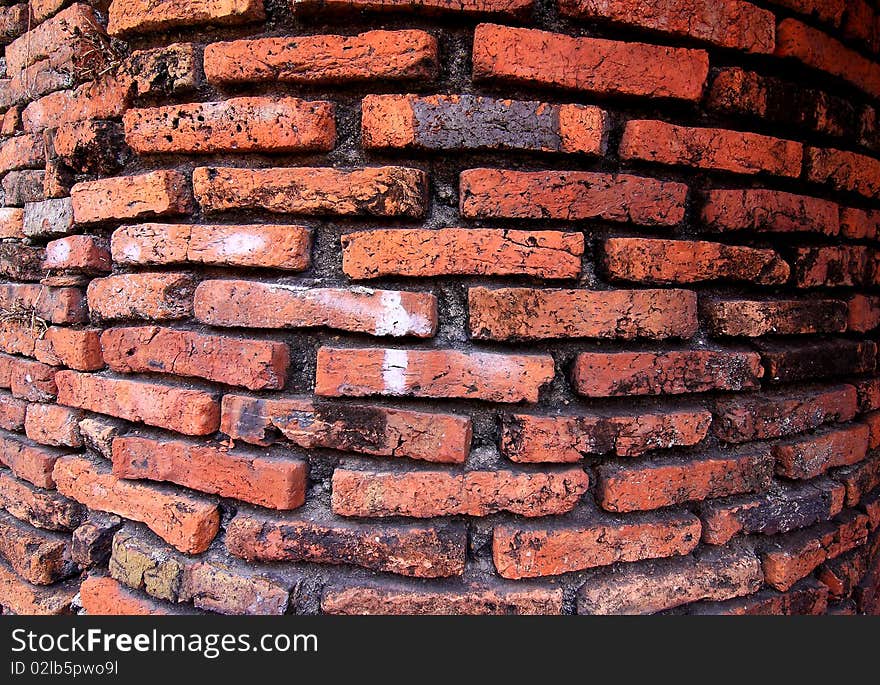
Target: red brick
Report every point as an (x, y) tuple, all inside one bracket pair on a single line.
[(844, 170), (11, 123), (646, 485), (43, 76), (373, 55), (142, 16), (41, 508), (869, 394), (27, 460), (650, 587), (105, 98), (185, 521), (601, 374), (40, 557), (102, 596), (32, 380), (792, 556), (773, 415), (260, 245), (528, 438), (425, 494), (859, 479), (78, 253), (78, 349), (537, 550), (259, 305), (421, 551), (21, 262), (11, 222), (842, 265), (710, 148), (91, 542), (510, 8), (352, 428), (815, 454), (18, 337), (191, 412), (24, 185), (22, 152), (26, 599), (821, 359), (431, 373), (371, 191), (158, 296), (157, 193), (873, 422), (532, 314), (454, 122), (594, 65), (254, 364), (820, 51), (13, 21), (49, 424), (273, 125), (808, 598), (12, 412), (859, 223), (754, 318), (645, 260), (828, 11), (461, 252), (570, 196), (254, 478), (165, 70), (452, 600), (65, 40), (725, 23), (843, 574)]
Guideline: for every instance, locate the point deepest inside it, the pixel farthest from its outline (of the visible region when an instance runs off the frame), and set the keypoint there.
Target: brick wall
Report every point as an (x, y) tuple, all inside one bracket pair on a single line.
[(485, 306)]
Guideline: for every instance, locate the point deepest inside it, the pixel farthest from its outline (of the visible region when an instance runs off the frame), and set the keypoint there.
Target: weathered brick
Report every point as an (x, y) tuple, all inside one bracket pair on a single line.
[(421, 551), (13, 21), (21, 262), (191, 412), (725, 23), (23, 186), (157, 193), (11, 222), (222, 589), (859, 223), (22, 152), (454, 122), (840, 265), (844, 170), (12, 412), (352, 428), (40, 557), (461, 252), (260, 245), (431, 373), (818, 50), (541, 550), (807, 598), (65, 39), (828, 11), (26, 599), (710, 148), (78, 349), (647, 260), (90, 146), (32, 380), (754, 318), (78, 253), (605, 374), (254, 364), (143, 563), (844, 573), (784, 508), (273, 125), (649, 587), (49, 424), (529, 438), (820, 359), (570, 196), (28, 460), (91, 542), (142, 16), (48, 217), (776, 414), (789, 557), (101, 596), (533, 314), (593, 65), (373, 55), (859, 479), (259, 305), (453, 600), (510, 8), (185, 521), (158, 296), (869, 394), (815, 454), (45, 509), (166, 70), (371, 191), (645, 485), (104, 98), (425, 494), (268, 482)]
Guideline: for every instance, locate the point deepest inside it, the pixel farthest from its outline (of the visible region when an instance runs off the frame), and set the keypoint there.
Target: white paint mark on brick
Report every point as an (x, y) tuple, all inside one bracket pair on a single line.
[(394, 365)]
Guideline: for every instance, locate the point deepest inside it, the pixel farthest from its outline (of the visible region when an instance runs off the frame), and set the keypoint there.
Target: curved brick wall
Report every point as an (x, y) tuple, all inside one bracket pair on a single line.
[(484, 306)]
